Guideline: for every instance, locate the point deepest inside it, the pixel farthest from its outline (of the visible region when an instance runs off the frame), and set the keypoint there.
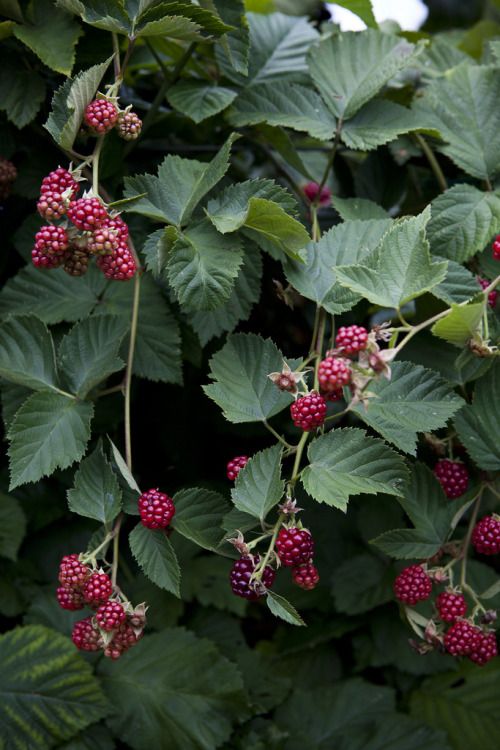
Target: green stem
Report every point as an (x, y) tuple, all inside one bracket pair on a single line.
[(319, 345), (128, 373), (95, 164), (116, 548), (466, 544), (262, 565), (116, 58), (331, 159), (298, 458), (278, 436), (433, 162), (63, 393)]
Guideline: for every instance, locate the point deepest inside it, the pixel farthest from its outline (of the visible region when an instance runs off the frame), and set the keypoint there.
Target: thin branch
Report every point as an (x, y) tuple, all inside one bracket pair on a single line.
[(433, 162)]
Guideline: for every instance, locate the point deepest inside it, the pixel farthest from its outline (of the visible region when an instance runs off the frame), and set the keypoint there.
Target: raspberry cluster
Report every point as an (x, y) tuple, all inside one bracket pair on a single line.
[(464, 638), (102, 115), (294, 546), (333, 374), (155, 509), (241, 580), (412, 585), (312, 191), (234, 466), (309, 411), (486, 536), (8, 174), (453, 477)]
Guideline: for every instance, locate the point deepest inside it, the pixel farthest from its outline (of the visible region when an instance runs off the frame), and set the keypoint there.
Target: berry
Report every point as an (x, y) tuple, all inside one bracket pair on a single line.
[(484, 649), (101, 116), (85, 636), (453, 477), (240, 576), (309, 412), (46, 260), (311, 191), (234, 466), (129, 126), (97, 589), (496, 248), (8, 172), (110, 615), (69, 598), (72, 572), (493, 295), (87, 213), (306, 576), (461, 638), (116, 224), (351, 339), (156, 509), (51, 240), (412, 585), (103, 241), (294, 546), (486, 536), (124, 639), (57, 190), (77, 262), (450, 606), (333, 374), (120, 266)]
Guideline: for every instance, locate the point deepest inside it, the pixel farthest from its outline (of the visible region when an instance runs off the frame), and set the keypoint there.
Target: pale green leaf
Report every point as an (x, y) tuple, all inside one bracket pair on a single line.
[(96, 493), (459, 284), (103, 14), (199, 99), (380, 121), (12, 526), (259, 487), (27, 354), (461, 323), (198, 516), (156, 249), (123, 468), (236, 43), (477, 424), (156, 557), (179, 20), (51, 34), (281, 608), (228, 209), (267, 222), (362, 209)]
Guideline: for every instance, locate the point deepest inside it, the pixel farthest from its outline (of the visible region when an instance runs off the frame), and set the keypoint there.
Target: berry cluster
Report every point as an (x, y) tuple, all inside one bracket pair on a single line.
[(156, 509), (312, 190), (234, 467), (453, 477), (496, 247), (486, 536), (493, 295), (102, 115), (8, 174)]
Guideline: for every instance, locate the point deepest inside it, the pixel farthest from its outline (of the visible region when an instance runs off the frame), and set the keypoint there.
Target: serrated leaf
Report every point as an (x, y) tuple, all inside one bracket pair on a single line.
[(414, 400), (259, 486), (363, 63), (49, 431), (229, 209), (96, 492), (459, 284), (156, 249), (123, 468), (463, 219), (281, 608), (267, 222), (88, 354), (400, 269), (12, 526), (13, 397), (461, 323), (108, 15), (241, 387), (178, 20), (21, 92), (347, 462), (362, 209), (156, 557), (236, 43), (380, 121), (27, 354), (477, 424), (198, 516), (199, 99), (51, 34)]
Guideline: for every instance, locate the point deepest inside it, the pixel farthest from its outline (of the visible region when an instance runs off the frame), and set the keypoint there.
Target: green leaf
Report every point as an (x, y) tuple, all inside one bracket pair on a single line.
[(193, 180), (363, 9), (49, 431), (179, 20), (103, 14), (69, 102), (156, 249), (199, 99), (198, 516), (51, 34), (289, 105), (400, 268), (236, 43), (27, 353), (21, 92), (363, 63), (96, 493), (228, 210), (202, 267), (362, 583), (12, 526), (123, 468), (380, 121), (362, 209), (463, 219), (241, 387), (477, 423), (414, 400), (49, 691), (347, 462), (189, 692), (88, 354), (281, 608), (459, 284), (156, 557), (461, 323), (346, 243), (259, 486)]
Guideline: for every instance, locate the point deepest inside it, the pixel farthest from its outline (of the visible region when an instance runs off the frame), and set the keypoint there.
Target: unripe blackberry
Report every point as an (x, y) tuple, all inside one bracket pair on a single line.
[(129, 126), (51, 205), (103, 241), (110, 616), (306, 576), (308, 412), (333, 374), (450, 606), (59, 181), (101, 116), (77, 262), (72, 572), (493, 295), (116, 224), (234, 466), (85, 636), (47, 260), (294, 546), (240, 576), (484, 649), (462, 638), (124, 639), (496, 248), (69, 598), (156, 509), (351, 339), (51, 240), (97, 589), (312, 190), (119, 266), (453, 477), (486, 536), (87, 214), (412, 585)]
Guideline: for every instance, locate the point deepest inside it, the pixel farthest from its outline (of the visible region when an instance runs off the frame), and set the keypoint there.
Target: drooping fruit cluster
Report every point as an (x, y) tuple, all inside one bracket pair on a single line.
[(312, 190), (234, 467), (242, 582), (464, 638), (351, 339), (156, 509), (333, 374), (305, 576), (57, 190), (493, 295), (129, 126), (451, 605), (294, 546), (8, 174), (309, 411), (102, 115), (453, 477), (412, 585), (486, 536)]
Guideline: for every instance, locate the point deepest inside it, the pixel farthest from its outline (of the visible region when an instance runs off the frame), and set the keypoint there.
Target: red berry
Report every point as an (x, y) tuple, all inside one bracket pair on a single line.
[(87, 213), (156, 509), (101, 116), (294, 546), (234, 466), (69, 598), (309, 412), (97, 589), (486, 536), (116, 224), (59, 181), (129, 126), (306, 576), (493, 295), (46, 260), (8, 172), (461, 638), (119, 266), (124, 639), (240, 576), (72, 572), (103, 241), (496, 248), (412, 585), (450, 606), (453, 477), (85, 636), (110, 615), (351, 339), (51, 240), (484, 649), (311, 191), (333, 374)]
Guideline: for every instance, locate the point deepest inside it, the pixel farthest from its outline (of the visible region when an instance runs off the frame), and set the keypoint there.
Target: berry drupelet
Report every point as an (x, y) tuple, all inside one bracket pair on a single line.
[(234, 466)]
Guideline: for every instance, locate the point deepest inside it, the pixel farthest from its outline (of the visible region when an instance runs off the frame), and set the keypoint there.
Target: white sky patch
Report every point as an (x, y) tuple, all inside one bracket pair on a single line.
[(409, 14)]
